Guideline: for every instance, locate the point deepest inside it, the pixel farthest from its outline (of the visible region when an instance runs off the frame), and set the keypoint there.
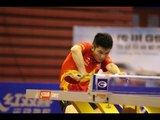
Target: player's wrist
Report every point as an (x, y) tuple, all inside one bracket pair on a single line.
[(83, 74)]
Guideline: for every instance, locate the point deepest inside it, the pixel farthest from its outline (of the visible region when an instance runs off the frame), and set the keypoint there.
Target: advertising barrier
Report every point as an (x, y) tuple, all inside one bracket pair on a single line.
[(13, 100)]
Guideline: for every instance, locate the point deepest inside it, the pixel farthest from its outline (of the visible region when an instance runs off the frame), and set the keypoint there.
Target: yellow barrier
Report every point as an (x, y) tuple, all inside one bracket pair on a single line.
[(83, 107), (152, 109), (107, 108)]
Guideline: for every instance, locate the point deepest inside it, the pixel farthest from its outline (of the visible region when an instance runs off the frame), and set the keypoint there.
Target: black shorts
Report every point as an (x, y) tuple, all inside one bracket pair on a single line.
[(64, 104)]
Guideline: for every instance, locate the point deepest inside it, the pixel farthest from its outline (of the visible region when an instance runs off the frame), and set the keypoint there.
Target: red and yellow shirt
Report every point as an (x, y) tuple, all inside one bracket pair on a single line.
[(91, 65)]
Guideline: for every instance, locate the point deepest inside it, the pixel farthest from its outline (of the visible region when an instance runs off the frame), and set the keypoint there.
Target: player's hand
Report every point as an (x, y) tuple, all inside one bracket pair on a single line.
[(122, 73), (77, 76)]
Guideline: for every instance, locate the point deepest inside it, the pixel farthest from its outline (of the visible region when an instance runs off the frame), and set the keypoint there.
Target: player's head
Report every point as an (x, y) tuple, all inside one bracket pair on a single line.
[(102, 44), (103, 40)]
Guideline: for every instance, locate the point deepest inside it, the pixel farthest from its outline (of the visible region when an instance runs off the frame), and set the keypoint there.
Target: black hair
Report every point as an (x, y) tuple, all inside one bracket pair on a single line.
[(103, 40)]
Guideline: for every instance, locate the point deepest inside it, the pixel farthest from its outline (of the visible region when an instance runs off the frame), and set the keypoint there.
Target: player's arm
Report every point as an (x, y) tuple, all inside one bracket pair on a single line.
[(78, 59)]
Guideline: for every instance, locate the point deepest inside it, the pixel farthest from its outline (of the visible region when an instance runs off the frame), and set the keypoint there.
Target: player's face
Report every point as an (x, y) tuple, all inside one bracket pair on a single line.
[(100, 53)]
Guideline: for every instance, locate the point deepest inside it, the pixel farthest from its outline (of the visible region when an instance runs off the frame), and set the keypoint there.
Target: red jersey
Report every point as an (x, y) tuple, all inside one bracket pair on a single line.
[(91, 65)]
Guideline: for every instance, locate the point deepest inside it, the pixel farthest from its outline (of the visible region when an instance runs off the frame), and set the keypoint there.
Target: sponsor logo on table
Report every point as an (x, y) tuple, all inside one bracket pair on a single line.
[(102, 84), (45, 94)]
